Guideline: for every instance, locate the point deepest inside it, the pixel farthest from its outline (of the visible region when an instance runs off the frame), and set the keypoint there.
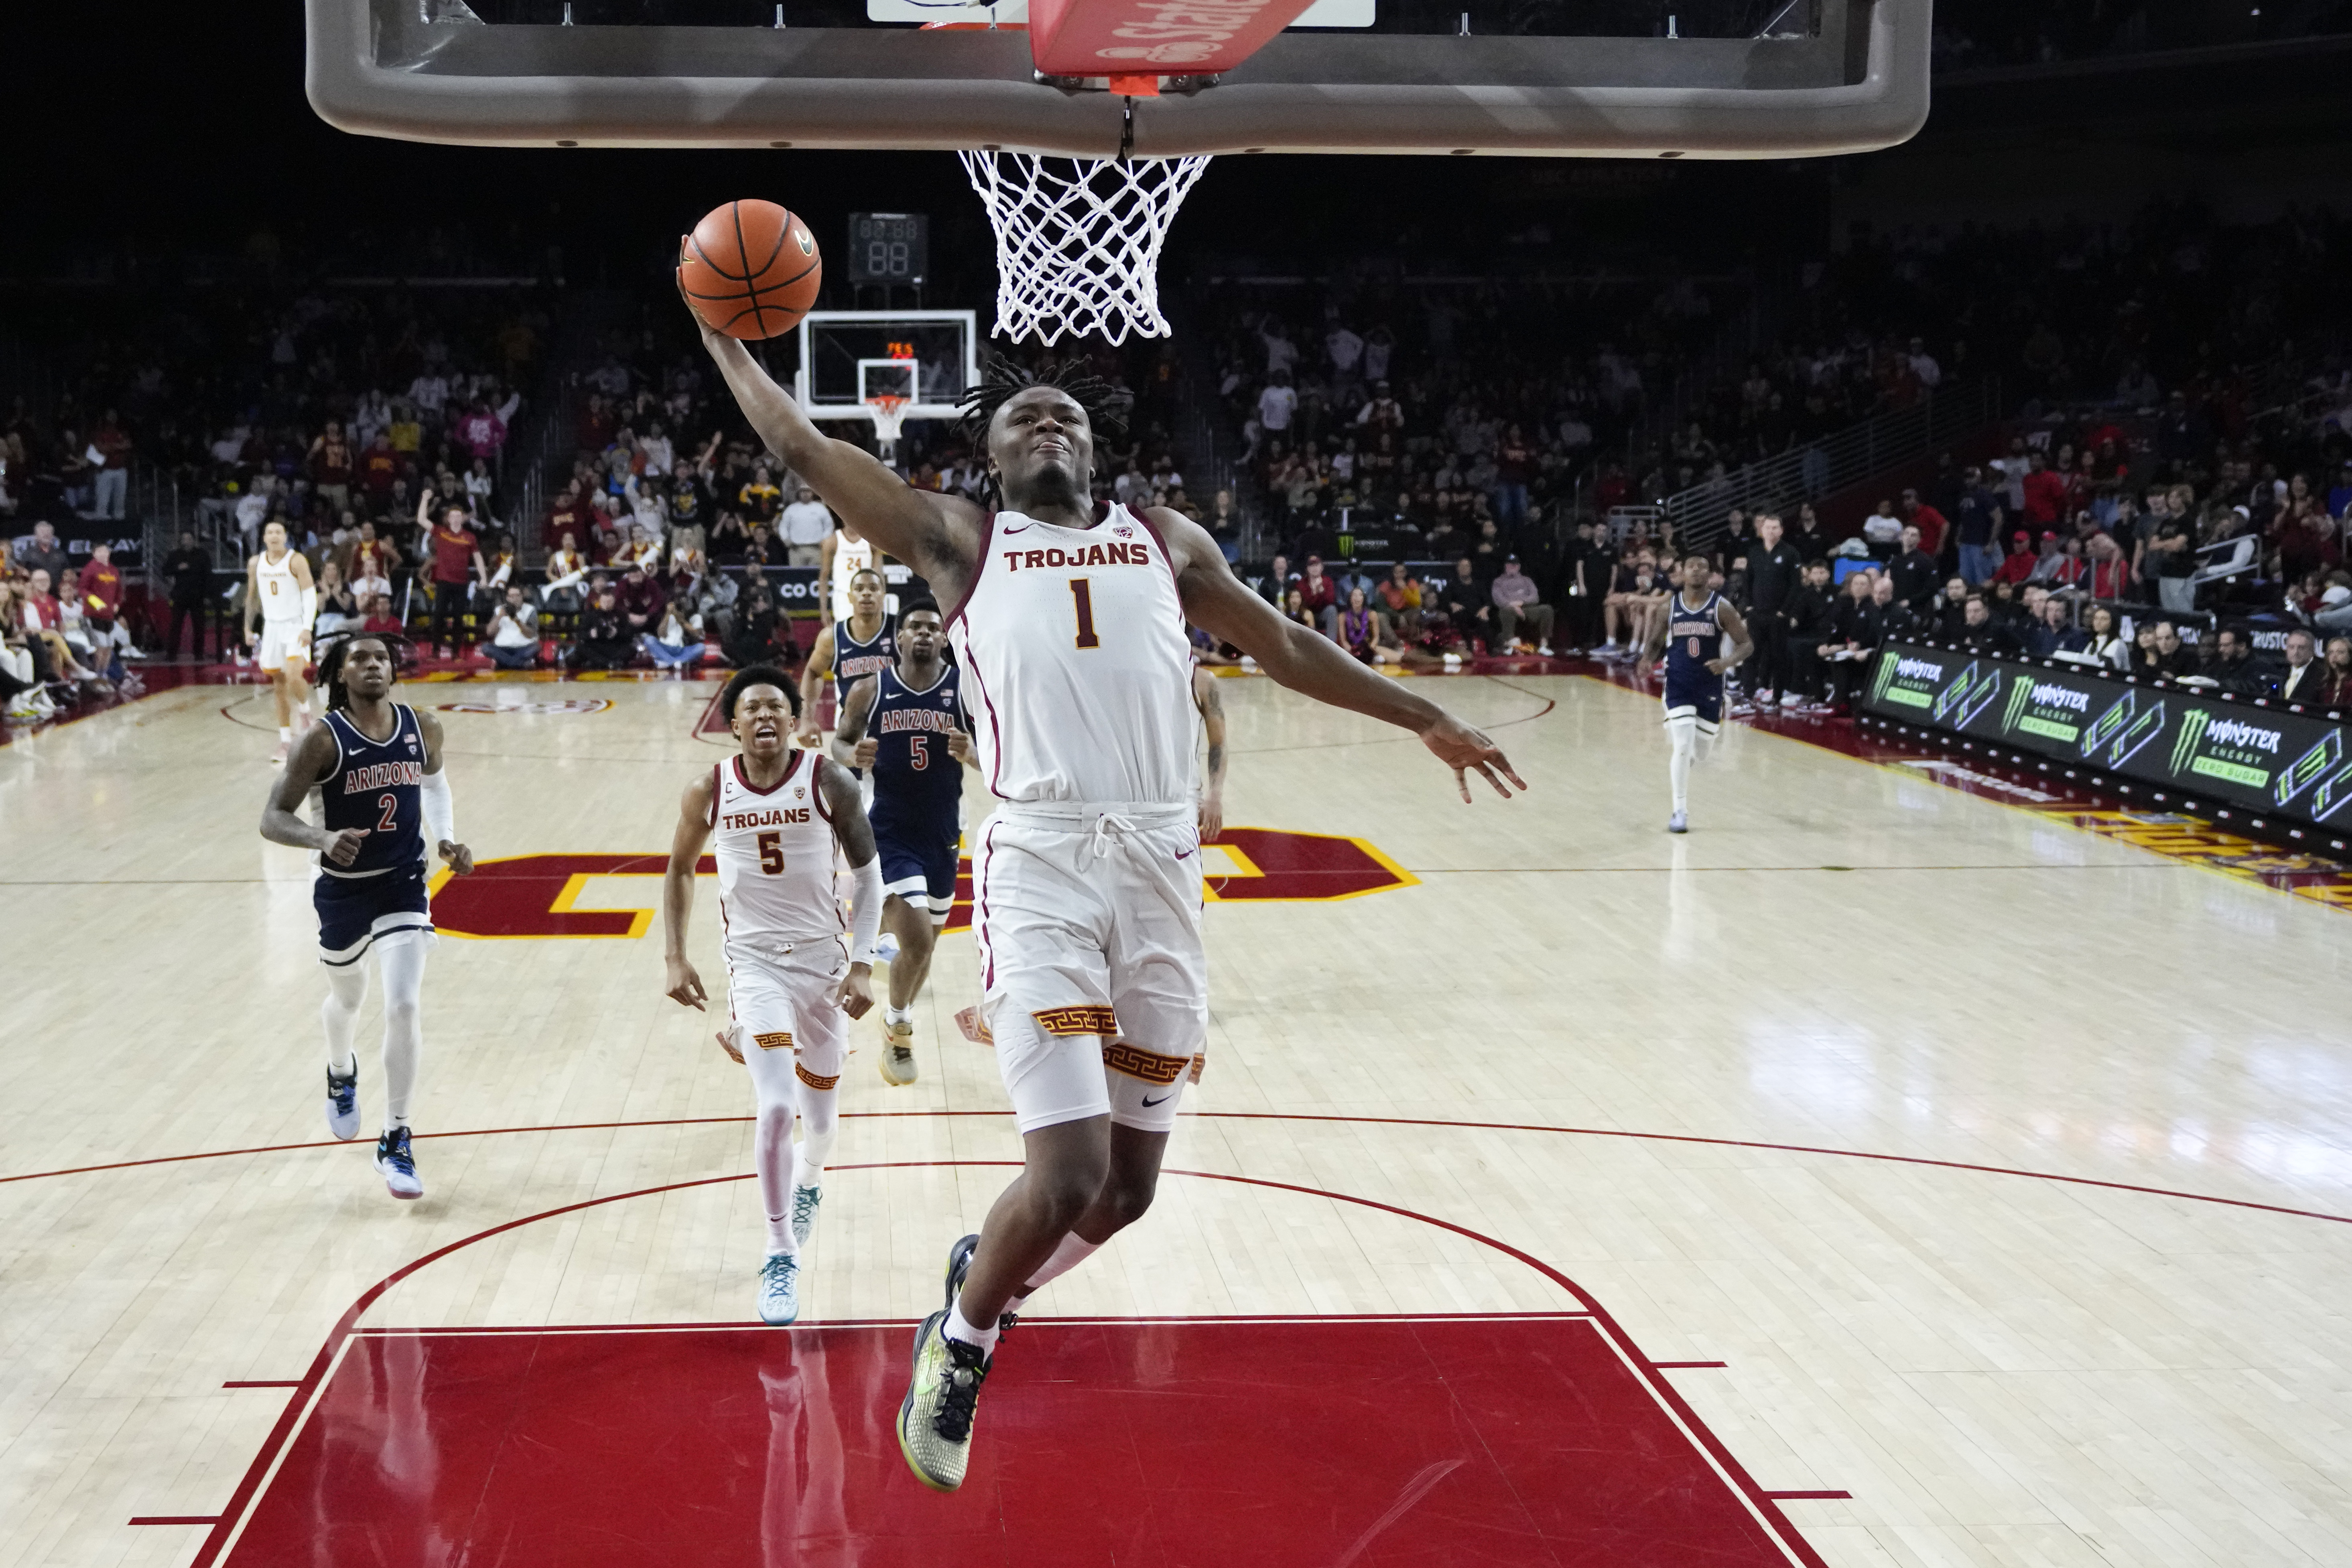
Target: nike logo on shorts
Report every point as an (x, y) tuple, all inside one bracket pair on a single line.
[(1162, 1100), (1187, 855)]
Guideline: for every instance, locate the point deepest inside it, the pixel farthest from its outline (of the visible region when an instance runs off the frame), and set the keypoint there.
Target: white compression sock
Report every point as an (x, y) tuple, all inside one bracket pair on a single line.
[(820, 1109), (957, 1329), (1068, 1253), (1683, 735), (340, 1013), (898, 1015), (400, 960), (285, 734)]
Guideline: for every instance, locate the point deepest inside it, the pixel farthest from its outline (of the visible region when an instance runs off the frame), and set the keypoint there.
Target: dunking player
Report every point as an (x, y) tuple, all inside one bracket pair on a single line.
[(1696, 619), (778, 813), (279, 595), (375, 766), (904, 727), (1068, 626), (860, 644)]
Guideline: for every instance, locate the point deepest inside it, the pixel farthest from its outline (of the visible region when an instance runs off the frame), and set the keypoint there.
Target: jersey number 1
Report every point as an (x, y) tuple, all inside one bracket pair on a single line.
[(1082, 596)]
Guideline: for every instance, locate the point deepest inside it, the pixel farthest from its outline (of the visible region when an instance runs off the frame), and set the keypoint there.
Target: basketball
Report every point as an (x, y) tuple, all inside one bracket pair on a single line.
[(750, 269)]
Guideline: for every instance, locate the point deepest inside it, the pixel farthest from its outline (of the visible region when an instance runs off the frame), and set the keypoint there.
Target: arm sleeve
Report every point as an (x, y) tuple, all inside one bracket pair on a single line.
[(310, 607), (864, 909), (440, 810)]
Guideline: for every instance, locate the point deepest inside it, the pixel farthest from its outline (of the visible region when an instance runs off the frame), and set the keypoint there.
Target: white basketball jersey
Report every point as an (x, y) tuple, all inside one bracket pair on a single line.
[(775, 854), (281, 594), (849, 556), (1081, 684)]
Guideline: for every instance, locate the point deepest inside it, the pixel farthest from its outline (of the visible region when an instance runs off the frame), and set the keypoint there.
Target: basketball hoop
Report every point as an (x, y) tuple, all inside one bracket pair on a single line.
[(1079, 240), (889, 414)]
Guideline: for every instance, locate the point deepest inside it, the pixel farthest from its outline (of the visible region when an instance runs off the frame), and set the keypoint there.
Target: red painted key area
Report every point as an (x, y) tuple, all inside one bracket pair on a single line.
[(1201, 1443)]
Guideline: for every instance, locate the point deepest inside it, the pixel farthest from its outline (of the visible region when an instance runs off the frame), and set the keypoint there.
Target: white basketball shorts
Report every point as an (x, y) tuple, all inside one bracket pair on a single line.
[(276, 645), (782, 1010), (1089, 919)]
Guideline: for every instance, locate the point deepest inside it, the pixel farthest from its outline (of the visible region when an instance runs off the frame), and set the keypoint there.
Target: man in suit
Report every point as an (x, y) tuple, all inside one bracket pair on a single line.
[(2304, 674)]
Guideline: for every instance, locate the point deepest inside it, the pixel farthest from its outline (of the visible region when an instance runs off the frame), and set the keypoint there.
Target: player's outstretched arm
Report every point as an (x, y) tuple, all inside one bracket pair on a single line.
[(1742, 645), (1308, 662), (847, 809), (281, 813), (439, 807), (852, 746), (686, 843), (938, 535), (1212, 704), (812, 674)]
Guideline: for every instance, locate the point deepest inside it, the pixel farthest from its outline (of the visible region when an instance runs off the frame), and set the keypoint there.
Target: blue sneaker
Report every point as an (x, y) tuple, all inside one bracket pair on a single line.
[(397, 1165), (804, 1201), (780, 1289), (343, 1103)]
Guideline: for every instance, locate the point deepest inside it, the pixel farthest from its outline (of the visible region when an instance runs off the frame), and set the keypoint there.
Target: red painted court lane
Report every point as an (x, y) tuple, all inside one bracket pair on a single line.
[(1181, 1445)]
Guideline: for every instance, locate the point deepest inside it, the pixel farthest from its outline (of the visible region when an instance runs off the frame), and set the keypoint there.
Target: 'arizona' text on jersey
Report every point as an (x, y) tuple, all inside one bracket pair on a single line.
[(377, 787)]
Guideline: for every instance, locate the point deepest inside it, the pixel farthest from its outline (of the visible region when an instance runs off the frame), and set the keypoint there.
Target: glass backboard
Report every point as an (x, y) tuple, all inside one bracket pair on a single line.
[(848, 357)]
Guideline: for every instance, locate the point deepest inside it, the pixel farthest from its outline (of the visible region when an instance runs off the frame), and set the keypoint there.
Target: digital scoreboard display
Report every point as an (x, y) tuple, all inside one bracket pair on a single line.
[(890, 247)]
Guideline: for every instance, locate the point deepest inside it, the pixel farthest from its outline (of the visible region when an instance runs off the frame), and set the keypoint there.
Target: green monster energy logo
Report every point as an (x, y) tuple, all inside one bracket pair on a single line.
[(1881, 675), (2020, 692), (2193, 729)]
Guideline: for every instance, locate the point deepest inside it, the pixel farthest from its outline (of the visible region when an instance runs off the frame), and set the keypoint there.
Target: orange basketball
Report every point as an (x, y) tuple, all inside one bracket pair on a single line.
[(750, 269)]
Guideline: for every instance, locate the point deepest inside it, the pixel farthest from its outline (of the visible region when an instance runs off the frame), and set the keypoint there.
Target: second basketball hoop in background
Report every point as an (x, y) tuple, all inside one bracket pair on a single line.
[(1079, 240)]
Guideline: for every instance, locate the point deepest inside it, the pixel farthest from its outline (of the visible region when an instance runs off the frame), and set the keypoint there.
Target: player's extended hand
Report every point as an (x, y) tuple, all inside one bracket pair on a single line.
[(1466, 751), (685, 988), (1717, 666), (808, 736), (959, 745), (1200, 1064), (459, 858), (712, 336), (343, 845), (251, 636), (866, 751), (854, 993), (727, 1044), (1213, 817)]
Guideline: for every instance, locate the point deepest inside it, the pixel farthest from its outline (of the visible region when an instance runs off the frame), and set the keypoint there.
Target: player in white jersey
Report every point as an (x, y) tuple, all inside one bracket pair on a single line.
[(778, 813), (846, 553), (279, 595), (1068, 625)]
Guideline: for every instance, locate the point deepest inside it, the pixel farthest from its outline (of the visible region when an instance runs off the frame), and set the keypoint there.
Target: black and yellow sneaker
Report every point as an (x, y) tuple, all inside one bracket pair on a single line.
[(935, 1419)]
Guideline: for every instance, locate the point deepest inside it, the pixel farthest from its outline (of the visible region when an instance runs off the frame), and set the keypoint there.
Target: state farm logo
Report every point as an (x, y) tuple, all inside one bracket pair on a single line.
[(2049, 695)]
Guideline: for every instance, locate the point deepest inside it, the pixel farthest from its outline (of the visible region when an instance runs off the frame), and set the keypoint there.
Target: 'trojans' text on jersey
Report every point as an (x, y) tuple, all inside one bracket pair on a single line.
[(1136, 555), (781, 816)]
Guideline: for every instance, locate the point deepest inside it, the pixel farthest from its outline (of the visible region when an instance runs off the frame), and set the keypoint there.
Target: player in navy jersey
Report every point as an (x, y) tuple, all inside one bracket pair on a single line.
[(373, 769), (1697, 619), (904, 725), (849, 650)]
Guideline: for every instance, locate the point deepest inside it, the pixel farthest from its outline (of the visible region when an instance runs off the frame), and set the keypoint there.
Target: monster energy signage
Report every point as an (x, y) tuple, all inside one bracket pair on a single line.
[(2272, 763)]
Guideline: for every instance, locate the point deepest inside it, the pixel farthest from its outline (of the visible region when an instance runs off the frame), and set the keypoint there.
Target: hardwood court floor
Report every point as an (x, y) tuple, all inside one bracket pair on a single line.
[(1897, 1144)]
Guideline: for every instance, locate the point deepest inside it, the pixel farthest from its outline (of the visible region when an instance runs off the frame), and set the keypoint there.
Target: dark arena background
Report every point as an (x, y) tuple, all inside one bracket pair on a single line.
[(1909, 1123)]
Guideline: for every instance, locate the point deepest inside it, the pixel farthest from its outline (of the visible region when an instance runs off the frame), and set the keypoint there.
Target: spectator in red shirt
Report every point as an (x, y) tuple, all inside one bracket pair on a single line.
[(1320, 594), (640, 600), (114, 472), (378, 467), (1932, 524), (2110, 568), (2045, 493), (332, 467), (2018, 565), (456, 564)]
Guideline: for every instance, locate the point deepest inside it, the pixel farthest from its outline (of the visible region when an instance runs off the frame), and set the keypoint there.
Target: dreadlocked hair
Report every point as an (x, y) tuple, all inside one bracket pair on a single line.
[(1001, 377), (330, 667)]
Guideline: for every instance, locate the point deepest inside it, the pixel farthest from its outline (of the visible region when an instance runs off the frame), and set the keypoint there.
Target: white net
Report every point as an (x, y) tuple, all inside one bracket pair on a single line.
[(1079, 240)]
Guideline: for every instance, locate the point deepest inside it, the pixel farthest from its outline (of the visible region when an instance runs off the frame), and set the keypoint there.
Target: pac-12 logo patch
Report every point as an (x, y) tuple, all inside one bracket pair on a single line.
[(1122, 530)]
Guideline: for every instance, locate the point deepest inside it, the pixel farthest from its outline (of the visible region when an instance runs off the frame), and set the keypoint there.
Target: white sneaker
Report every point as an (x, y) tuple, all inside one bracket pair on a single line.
[(1544, 649), (1764, 699), (805, 1204), (343, 1103), (1678, 823), (397, 1165), (780, 1289), (1791, 699), (278, 757)]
